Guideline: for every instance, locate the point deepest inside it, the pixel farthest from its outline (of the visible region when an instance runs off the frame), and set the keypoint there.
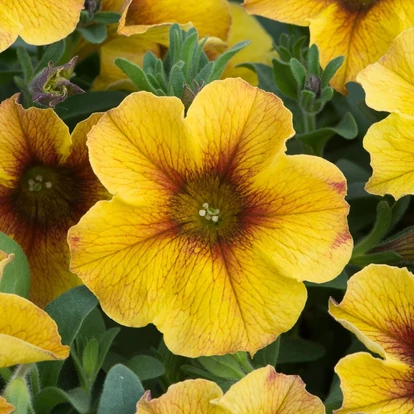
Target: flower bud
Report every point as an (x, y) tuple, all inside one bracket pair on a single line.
[(313, 83), (53, 85), (402, 244)]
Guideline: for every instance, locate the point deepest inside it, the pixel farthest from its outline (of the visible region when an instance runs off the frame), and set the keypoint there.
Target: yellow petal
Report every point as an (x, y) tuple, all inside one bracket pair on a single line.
[(240, 128), (132, 48), (36, 139), (41, 21), (143, 270), (304, 227), (289, 11), (268, 392), (362, 36), (9, 30), (389, 83), (27, 334), (5, 407), (377, 307), (245, 27), (191, 396), (391, 147), (373, 386), (154, 19), (135, 150)]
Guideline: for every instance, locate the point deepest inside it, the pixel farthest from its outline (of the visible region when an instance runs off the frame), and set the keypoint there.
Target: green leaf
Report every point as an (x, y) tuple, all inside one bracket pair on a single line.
[(136, 74), (334, 399), (16, 275), (93, 326), (105, 344), (68, 311), (313, 60), (90, 358), (298, 72), (293, 350), (50, 397), (25, 63), (95, 33), (224, 366), (122, 389), (146, 367), (297, 47), (264, 74), (389, 258), (284, 79), (187, 51), (330, 70), (221, 62), (53, 53), (7, 76), (106, 17), (398, 209), (268, 355)]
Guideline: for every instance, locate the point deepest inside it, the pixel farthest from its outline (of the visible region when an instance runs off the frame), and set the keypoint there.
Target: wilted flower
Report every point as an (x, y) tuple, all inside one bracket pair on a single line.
[(38, 22), (360, 30), (212, 227), (262, 391), (378, 308), (46, 185), (53, 84), (389, 86)]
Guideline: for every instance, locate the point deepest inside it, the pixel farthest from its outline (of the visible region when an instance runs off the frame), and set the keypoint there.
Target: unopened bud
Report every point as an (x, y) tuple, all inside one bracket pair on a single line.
[(402, 243), (91, 7), (313, 83), (53, 85), (189, 94)]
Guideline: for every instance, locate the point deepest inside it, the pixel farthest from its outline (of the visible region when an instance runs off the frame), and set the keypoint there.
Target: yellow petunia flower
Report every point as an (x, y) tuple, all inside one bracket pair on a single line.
[(153, 19), (360, 30), (378, 309), (212, 227), (5, 407), (262, 391), (27, 333), (389, 86), (46, 185), (38, 22)]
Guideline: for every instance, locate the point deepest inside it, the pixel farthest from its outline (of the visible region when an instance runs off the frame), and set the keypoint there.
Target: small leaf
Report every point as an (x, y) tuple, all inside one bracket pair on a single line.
[(146, 367), (16, 275), (53, 53), (330, 70), (294, 350), (122, 389), (224, 366), (313, 60), (284, 79), (50, 397), (389, 258), (268, 355), (105, 344), (90, 358), (95, 33), (106, 17), (25, 63), (298, 72)]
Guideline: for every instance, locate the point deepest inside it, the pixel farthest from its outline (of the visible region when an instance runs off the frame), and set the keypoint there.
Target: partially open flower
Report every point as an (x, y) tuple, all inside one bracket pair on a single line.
[(53, 84), (378, 309), (389, 86), (27, 333), (212, 228), (46, 185), (360, 30), (38, 22), (262, 391)]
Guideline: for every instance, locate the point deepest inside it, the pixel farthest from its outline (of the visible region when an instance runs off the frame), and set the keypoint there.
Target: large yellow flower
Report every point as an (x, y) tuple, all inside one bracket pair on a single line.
[(38, 22), (212, 228), (360, 30), (262, 391), (389, 86), (378, 308), (27, 333), (46, 185)]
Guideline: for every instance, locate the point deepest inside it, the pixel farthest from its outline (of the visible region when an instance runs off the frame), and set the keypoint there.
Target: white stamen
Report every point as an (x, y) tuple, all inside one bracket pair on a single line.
[(209, 213), (202, 213), (31, 182), (48, 184), (208, 217), (39, 178), (205, 205), (215, 219)]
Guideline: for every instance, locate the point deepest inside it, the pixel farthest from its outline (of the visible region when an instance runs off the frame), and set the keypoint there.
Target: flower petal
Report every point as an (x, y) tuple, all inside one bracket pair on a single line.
[(240, 128), (5, 407), (289, 11), (132, 48), (32, 135), (191, 396), (142, 146), (27, 334), (390, 144), (266, 391), (378, 309), (143, 270), (154, 18), (43, 21), (362, 36), (9, 30), (301, 216), (389, 83), (245, 27), (373, 386)]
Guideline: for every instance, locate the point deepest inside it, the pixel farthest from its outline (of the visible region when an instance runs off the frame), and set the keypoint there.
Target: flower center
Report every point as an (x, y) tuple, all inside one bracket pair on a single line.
[(355, 5), (208, 208)]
